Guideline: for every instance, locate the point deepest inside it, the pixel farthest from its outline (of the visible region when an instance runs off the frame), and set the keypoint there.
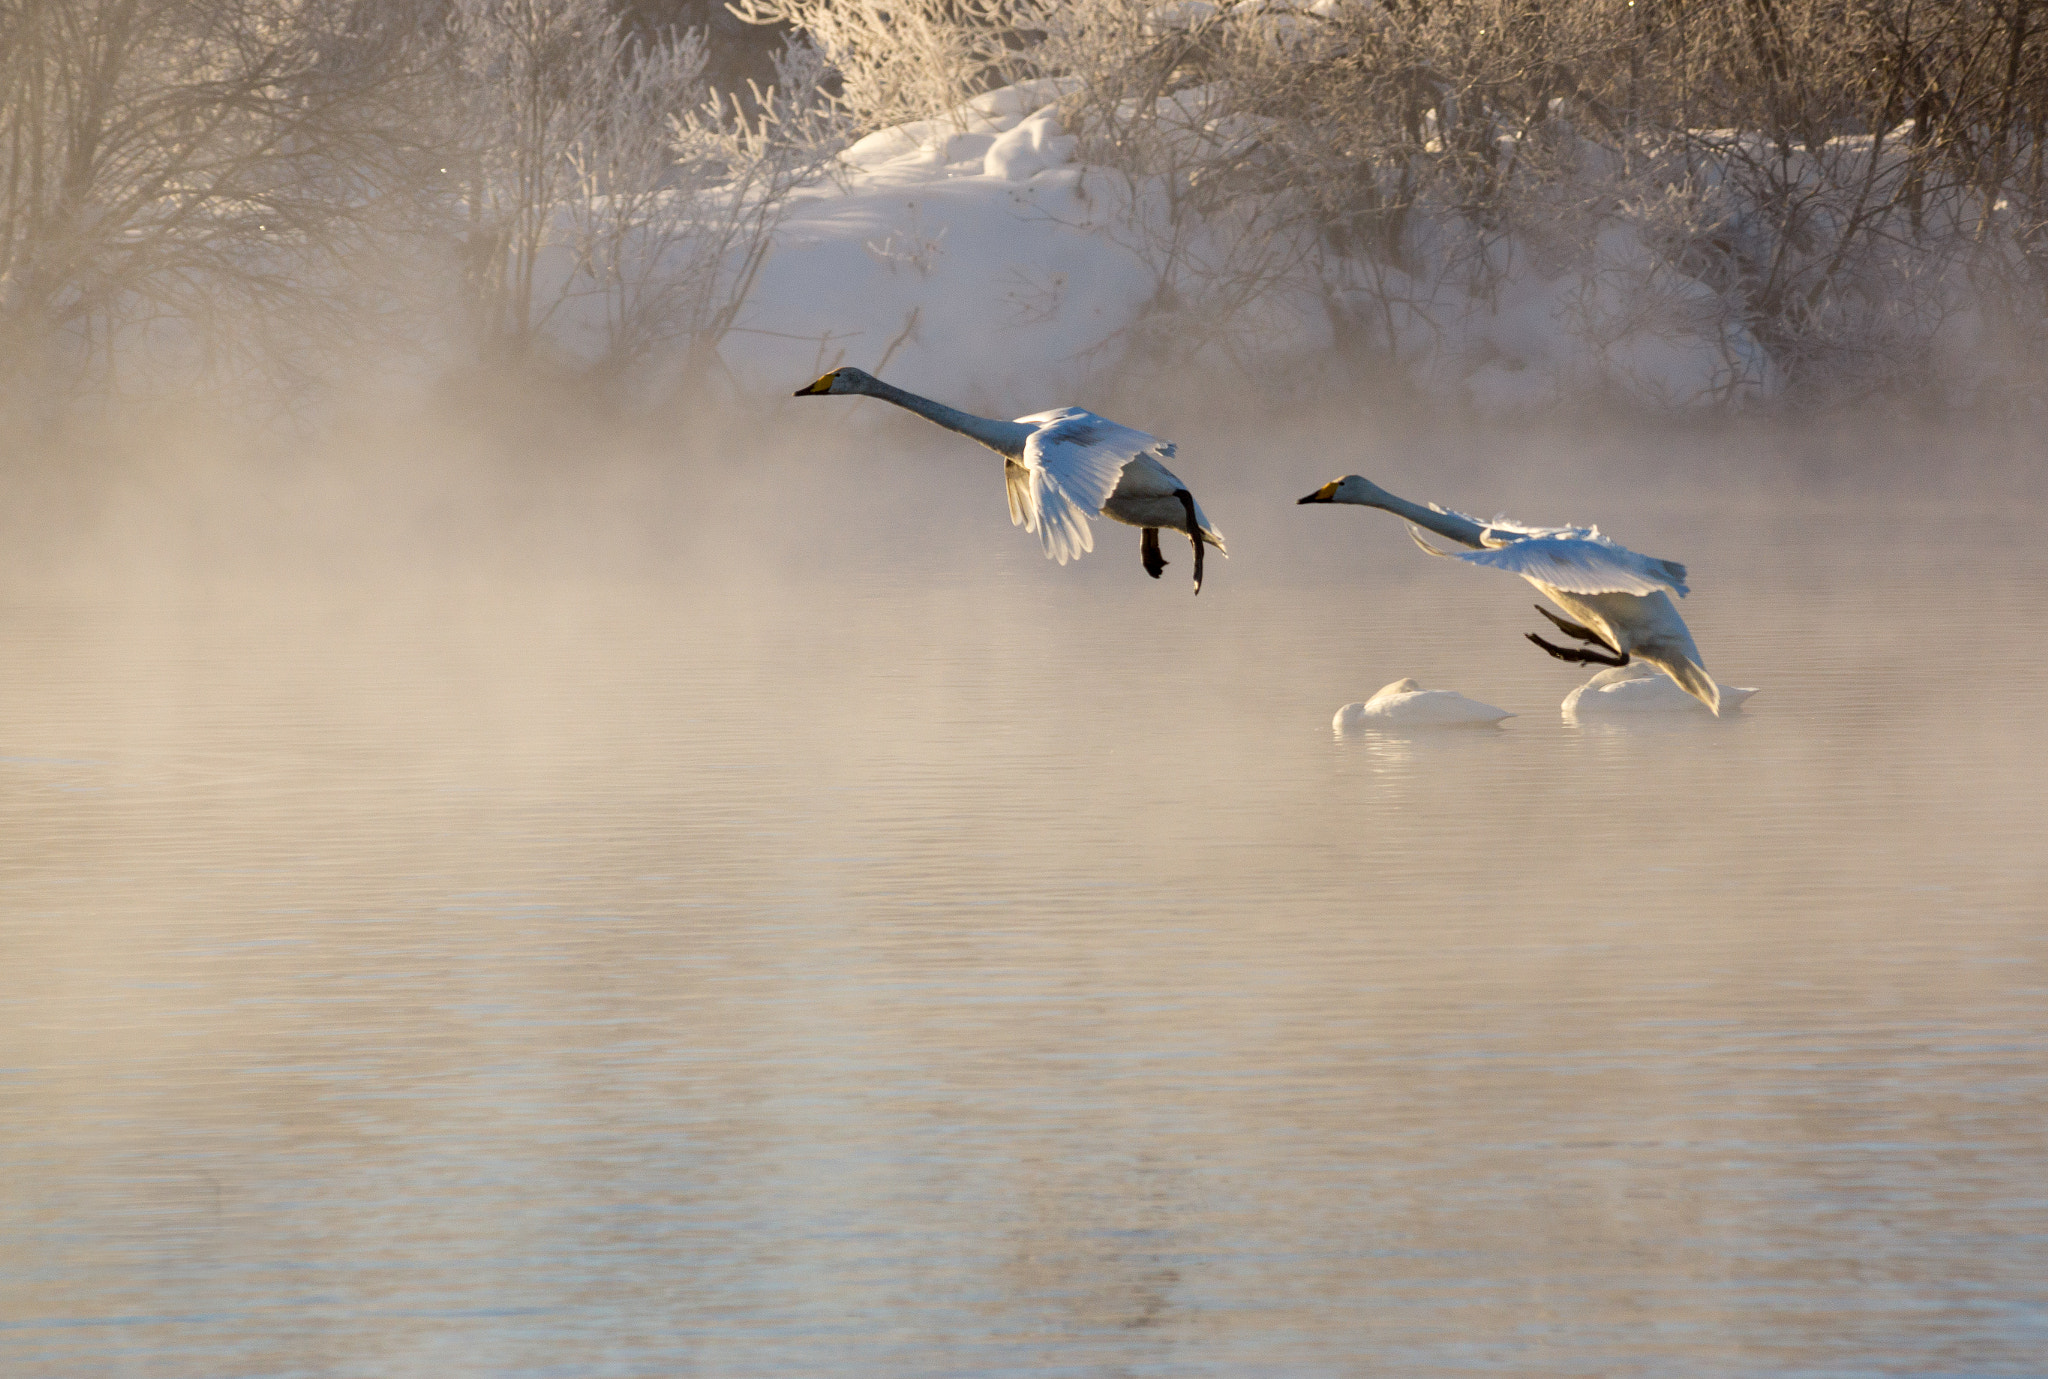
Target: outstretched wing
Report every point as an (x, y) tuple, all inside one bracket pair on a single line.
[(1017, 486), (1583, 565), (1415, 535), (1071, 465), (1502, 530)]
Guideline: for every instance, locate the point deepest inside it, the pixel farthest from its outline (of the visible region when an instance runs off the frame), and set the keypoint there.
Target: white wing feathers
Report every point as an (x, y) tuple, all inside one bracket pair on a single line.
[(1415, 535), (1070, 467), (1578, 560), (1502, 530), (1588, 564), (1017, 481)]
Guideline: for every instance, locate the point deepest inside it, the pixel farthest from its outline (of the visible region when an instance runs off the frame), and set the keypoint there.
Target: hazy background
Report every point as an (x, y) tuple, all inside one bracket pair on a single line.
[(526, 850)]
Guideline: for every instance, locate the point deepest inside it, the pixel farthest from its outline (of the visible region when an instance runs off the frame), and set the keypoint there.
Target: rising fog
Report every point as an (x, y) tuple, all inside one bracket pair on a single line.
[(405, 276), (527, 849)]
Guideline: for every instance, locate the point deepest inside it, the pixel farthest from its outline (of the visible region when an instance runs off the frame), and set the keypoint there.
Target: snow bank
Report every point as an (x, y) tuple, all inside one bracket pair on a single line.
[(970, 257), (965, 256), (958, 138)]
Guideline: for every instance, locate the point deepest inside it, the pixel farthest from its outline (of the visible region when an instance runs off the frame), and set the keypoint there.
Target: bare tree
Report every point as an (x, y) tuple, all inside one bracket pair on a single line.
[(179, 168), (534, 86), (623, 213)]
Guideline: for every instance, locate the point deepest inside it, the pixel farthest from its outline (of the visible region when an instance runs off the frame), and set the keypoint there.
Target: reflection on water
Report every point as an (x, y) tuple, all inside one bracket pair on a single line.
[(873, 976)]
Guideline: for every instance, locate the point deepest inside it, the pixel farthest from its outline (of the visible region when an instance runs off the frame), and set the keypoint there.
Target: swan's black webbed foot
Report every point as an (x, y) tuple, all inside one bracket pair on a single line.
[(1148, 551), (1580, 654), (1572, 629), (1187, 500), (1614, 655)]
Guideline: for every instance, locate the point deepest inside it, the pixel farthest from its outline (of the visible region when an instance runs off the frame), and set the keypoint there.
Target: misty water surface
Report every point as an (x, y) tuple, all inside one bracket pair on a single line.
[(803, 946)]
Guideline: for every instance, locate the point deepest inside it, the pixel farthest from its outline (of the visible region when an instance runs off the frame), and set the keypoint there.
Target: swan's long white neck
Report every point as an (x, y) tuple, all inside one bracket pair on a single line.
[(1448, 524), (1003, 437)]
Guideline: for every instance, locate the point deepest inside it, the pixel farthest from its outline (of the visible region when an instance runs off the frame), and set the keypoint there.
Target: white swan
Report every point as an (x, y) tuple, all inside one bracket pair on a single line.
[(1405, 703), (1636, 689), (1063, 467), (1621, 599)]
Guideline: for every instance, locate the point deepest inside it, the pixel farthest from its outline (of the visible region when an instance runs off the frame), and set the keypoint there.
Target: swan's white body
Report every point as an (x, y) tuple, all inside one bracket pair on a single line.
[(1405, 703), (1636, 689), (1623, 596), (1063, 467), (1076, 464)]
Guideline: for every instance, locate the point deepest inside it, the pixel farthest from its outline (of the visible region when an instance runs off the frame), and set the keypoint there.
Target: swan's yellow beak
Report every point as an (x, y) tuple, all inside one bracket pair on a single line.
[(823, 385), (1322, 495)]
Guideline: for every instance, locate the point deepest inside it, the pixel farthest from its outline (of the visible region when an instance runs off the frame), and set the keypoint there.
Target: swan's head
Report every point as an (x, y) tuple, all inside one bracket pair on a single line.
[(1349, 489), (838, 381)]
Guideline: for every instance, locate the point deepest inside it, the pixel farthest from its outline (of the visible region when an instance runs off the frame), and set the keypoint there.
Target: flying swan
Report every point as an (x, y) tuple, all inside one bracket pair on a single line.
[(1062, 468), (1621, 599)]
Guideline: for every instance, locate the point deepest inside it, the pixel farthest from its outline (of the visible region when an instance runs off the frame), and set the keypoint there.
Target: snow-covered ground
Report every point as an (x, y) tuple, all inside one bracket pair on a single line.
[(975, 259), (972, 258)]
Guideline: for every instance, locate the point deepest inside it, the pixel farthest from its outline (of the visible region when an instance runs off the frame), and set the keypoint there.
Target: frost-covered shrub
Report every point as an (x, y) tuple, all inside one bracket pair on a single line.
[(554, 105), (1855, 180), (905, 60), (1835, 191), (606, 181), (1201, 192), (1824, 198), (736, 164)]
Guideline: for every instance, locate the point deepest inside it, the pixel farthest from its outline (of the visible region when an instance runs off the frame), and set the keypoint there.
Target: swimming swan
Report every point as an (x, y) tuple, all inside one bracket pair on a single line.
[(1063, 467), (1621, 599), (1405, 703), (1636, 689)]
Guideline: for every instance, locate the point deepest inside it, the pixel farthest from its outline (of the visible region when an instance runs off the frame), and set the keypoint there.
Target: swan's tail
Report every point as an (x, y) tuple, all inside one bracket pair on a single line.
[(1691, 676)]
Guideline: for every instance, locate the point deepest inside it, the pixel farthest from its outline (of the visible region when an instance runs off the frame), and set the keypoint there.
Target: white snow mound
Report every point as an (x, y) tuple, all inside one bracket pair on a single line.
[(1032, 147)]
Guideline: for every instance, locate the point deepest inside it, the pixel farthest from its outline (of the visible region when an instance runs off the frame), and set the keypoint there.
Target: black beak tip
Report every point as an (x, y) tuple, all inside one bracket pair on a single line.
[(1310, 499)]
